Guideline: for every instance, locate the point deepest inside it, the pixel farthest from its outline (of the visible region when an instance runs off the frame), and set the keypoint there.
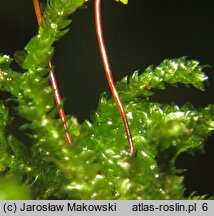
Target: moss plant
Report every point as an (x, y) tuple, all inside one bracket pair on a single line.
[(98, 164)]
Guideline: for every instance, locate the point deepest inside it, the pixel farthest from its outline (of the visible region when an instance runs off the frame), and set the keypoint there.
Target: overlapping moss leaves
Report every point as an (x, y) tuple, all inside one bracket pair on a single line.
[(98, 164)]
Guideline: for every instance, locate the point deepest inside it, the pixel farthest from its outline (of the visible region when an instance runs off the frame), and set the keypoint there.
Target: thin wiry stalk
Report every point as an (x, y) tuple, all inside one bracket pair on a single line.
[(108, 73)]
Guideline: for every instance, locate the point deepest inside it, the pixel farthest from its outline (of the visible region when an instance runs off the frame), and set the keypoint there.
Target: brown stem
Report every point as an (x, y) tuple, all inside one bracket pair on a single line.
[(53, 81), (101, 43)]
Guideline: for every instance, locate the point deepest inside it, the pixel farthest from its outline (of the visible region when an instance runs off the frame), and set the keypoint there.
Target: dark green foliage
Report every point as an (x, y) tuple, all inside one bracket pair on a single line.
[(98, 165)]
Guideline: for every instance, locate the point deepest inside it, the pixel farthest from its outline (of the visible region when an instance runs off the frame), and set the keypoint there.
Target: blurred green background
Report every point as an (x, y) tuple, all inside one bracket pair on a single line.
[(138, 35)]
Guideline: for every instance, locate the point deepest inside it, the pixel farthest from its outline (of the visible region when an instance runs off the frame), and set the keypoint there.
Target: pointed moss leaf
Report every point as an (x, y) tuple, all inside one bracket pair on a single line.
[(19, 149), (19, 57), (5, 61), (39, 59), (9, 80)]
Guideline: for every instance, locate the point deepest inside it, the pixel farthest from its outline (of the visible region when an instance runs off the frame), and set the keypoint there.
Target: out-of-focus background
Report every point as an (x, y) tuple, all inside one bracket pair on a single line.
[(137, 35)]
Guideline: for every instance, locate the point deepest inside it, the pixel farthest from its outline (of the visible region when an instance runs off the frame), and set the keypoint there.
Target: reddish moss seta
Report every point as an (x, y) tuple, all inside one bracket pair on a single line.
[(53, 81), (108, 72)]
